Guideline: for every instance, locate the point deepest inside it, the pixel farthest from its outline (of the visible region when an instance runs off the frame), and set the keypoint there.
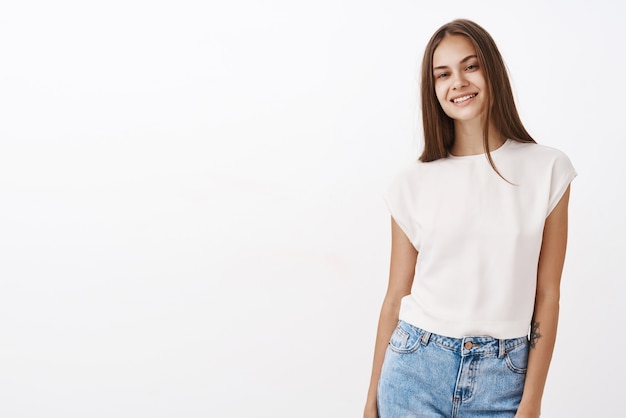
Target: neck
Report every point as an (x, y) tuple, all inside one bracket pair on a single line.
[(468, 138)]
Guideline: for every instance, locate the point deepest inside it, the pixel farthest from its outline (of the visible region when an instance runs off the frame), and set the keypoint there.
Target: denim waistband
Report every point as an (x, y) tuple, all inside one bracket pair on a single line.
[(477, 345)]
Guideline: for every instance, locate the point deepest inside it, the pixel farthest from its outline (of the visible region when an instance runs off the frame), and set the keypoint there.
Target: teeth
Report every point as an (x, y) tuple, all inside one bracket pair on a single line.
[(464, 98)]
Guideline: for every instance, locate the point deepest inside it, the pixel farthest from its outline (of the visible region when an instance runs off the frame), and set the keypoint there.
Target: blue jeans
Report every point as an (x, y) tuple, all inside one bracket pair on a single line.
[(426, 375)]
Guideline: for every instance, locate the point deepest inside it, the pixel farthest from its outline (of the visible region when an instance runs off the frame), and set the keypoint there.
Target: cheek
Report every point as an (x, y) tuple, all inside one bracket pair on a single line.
[(480, 82)]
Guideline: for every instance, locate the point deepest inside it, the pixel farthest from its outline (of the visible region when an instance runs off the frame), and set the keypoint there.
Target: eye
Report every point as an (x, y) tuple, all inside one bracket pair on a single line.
[(472, 67), (441, 75)]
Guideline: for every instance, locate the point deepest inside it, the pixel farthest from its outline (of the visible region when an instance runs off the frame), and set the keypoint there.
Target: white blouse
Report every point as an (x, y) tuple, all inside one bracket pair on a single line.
[(478, 237)]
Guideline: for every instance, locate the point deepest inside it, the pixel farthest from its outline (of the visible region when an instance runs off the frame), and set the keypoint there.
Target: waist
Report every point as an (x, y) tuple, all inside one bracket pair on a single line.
[(472, 316), (475, 345)]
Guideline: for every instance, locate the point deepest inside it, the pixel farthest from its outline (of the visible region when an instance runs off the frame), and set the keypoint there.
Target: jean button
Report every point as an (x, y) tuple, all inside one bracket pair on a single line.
[(468, 345)]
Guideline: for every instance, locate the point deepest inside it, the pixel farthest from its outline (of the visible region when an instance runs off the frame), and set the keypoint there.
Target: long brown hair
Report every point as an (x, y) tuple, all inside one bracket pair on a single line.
[(500, 106)]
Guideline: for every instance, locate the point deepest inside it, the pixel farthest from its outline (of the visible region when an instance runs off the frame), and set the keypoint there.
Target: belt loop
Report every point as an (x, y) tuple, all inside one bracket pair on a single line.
[(425, 337), (501, 348)]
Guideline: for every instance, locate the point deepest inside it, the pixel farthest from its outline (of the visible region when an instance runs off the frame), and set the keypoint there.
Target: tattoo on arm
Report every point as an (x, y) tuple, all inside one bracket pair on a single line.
[(534, 334)]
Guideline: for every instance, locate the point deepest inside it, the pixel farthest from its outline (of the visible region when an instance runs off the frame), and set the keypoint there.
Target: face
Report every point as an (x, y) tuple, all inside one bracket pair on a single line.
[(460, 84)]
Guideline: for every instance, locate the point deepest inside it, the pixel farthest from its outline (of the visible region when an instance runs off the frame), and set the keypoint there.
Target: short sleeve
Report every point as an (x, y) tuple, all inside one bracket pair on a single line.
[(563, 173), (400, 198)]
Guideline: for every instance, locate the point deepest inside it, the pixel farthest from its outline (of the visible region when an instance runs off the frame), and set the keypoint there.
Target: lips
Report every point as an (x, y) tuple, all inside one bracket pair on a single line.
[(465, 98)]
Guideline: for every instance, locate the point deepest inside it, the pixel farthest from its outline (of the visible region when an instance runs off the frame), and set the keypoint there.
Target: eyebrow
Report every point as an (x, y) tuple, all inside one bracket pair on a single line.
[(469, 57)]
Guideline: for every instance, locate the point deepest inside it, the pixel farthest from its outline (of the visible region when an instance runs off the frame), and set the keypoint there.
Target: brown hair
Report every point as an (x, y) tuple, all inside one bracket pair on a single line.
[(500, 106)]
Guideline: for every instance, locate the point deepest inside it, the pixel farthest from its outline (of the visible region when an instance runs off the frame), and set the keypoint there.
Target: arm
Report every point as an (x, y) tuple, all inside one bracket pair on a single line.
[(545, 317), (401, 272)]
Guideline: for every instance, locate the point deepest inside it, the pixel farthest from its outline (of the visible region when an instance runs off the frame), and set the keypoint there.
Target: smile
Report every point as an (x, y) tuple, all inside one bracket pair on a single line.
[(464, 98)]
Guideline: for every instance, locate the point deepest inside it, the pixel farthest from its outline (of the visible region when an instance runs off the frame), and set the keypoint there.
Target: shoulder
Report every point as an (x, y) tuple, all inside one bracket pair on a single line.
[(542, 165), (406, 179), (539, 155), (535, 150)]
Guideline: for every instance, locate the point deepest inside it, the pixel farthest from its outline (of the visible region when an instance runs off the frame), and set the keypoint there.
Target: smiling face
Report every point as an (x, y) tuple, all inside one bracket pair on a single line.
[(460, 84)]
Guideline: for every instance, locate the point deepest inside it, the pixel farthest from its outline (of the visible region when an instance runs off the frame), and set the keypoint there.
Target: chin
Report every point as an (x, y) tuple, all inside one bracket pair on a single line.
[(464, 116)]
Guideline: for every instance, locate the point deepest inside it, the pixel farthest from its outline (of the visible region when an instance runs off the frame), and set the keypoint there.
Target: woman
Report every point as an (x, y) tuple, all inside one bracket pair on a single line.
[(479, 230)]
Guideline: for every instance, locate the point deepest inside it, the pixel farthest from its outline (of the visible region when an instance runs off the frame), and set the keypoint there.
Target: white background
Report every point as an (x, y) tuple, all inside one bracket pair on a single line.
[(191, 213)]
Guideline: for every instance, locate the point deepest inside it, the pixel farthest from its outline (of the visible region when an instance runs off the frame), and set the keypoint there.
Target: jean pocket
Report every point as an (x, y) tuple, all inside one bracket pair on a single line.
[(405, 338), (517, 358)]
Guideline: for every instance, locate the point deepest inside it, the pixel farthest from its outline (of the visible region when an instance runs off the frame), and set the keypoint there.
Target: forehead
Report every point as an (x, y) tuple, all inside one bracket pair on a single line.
[(452, 49)]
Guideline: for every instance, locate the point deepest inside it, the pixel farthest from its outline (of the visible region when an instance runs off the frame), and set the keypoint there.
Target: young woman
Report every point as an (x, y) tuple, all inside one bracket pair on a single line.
[(479, 230)]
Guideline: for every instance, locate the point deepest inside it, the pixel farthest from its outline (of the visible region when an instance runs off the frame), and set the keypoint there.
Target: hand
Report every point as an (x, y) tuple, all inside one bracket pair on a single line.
[(527, 410), (370, 412), (526, 415)]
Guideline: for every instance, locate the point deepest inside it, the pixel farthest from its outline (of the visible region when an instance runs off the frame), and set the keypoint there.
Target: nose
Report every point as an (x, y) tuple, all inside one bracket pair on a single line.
[(459, 81)]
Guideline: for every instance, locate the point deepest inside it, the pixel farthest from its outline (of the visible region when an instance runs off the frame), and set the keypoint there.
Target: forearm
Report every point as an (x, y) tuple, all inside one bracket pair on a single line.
[(542, 340), (386, 325), (401, 272)]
